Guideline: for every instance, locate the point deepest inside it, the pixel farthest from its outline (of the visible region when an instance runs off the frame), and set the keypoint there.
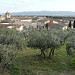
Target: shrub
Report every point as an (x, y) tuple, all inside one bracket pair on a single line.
[(72, 63)]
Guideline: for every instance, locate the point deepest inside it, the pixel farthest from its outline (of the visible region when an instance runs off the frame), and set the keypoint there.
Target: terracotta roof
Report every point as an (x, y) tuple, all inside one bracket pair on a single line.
[(49, 23), (18, 26)]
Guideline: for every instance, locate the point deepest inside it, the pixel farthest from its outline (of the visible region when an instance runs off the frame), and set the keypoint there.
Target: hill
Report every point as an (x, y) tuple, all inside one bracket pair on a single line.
[(52, 13)]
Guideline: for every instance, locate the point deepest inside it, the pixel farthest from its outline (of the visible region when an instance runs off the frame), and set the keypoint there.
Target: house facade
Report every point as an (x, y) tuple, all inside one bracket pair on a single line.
[(19, 28), (23, 22), (56, 26)]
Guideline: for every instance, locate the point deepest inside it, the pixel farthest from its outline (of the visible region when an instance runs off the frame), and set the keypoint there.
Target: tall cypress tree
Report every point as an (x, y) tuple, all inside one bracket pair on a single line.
[(69, 24), (74, 24), (47, 25)]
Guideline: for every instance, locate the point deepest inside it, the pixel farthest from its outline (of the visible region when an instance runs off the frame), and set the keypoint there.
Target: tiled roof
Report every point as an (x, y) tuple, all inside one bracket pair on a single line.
[(49, 23), (18, 26)]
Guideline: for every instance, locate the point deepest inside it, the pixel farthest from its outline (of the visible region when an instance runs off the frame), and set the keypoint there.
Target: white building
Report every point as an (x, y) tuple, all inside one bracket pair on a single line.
[(23, 22), (19, 28)]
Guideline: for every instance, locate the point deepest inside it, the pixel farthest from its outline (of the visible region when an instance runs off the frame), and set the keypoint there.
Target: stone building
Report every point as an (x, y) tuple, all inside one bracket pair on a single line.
[(7, 15), (2, 18)]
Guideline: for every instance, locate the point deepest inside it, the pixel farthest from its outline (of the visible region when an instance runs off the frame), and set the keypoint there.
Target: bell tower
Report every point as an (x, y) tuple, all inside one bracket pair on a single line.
[(7, 15)]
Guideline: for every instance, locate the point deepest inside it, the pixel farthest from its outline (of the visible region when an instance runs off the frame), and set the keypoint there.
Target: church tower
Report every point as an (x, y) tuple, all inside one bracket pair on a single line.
[(7, 15)]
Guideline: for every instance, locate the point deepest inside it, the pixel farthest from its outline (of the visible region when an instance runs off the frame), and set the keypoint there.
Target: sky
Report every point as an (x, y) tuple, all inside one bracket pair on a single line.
[(36, 5)]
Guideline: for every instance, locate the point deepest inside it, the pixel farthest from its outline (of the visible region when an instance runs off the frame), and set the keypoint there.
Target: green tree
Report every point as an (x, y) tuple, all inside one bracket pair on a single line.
[(44, 40), (10, 42), (11, 37), (7, 55), (70, 24), (37, 39), (47, 25), (74, 24), (70, 41), (53, 41)]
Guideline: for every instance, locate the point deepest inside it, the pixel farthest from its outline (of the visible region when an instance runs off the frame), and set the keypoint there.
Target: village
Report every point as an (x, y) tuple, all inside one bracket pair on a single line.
[(37, 37), (19, 22)]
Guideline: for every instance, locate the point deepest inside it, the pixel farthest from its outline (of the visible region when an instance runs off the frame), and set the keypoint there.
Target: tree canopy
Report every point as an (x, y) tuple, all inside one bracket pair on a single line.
[(44, 39)]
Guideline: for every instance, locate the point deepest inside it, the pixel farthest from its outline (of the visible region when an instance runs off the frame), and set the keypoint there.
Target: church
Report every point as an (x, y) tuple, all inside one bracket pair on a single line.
[(5, 17)]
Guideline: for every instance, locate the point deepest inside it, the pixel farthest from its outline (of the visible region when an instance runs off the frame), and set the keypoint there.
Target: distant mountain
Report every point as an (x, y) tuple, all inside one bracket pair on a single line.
[(52, 13)]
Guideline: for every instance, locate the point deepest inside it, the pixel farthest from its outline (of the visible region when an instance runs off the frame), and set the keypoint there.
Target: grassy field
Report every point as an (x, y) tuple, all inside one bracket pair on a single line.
[(29, 62)]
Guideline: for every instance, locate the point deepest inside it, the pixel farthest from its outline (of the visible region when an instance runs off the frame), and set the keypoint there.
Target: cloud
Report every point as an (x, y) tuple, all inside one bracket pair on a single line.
[(29, 1), (18, 5), (25, 1), (35, 5)]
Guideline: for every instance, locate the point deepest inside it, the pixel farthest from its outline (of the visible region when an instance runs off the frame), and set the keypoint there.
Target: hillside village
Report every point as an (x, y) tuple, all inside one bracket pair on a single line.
[(37, 37), (37, 45), (20, 22)]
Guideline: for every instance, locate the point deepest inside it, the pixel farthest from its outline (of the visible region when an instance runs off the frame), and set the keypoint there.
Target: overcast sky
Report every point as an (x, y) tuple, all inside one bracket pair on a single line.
[(36, 5)]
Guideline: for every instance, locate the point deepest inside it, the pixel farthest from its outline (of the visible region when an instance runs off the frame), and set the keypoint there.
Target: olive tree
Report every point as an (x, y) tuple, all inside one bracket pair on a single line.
[(53, 41), (70, 42), (44, 39), (7, 55), (37, 39), (10, 42), (11, 37), (70, 47)]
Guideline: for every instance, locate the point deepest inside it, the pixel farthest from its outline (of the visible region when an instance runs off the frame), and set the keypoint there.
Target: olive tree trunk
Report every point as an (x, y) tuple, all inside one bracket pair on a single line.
[(42, 52), (0, 59), (51, 54)]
